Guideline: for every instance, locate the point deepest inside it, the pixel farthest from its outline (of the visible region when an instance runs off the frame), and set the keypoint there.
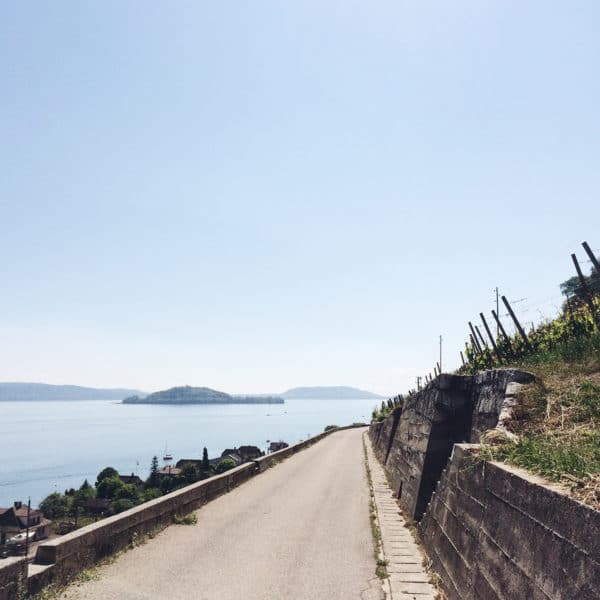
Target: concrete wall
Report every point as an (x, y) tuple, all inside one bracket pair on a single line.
[(493, 532), (496, 532), (57, 560), (12, 573), (415, 442)]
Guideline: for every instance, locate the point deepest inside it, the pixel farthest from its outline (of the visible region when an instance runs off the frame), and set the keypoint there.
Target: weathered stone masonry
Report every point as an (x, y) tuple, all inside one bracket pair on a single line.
[(415, 442), (496, 531), (492, 531)]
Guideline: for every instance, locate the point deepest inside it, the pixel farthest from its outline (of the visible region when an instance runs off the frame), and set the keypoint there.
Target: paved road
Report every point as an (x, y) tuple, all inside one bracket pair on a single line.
[(299, 531)]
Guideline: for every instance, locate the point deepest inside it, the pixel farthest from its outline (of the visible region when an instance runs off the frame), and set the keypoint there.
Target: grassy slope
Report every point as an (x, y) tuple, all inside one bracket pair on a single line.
[(558, 424)]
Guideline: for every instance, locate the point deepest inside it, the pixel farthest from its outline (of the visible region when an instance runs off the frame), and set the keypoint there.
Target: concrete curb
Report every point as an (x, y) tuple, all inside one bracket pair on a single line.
[(407, 578)]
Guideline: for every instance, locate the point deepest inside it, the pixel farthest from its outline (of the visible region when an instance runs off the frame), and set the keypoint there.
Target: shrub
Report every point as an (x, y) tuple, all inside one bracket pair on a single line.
[(121, 505), (190, 519), (105, 474), (55, 506), (225, 465)]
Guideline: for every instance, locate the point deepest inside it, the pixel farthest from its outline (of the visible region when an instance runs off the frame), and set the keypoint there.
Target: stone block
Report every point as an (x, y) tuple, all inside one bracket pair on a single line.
[(503, 575), (544, 557), (578, 523)]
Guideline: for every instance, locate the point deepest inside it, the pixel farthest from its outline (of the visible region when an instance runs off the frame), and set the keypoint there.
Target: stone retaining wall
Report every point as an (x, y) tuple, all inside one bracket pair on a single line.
[(494, 531), (415, 442)]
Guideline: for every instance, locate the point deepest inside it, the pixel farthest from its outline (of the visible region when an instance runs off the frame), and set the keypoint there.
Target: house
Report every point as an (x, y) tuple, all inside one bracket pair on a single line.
[(275, 446), (249, 453), (231, 455), (14, 521), (169, 471), (197, 462), (134, 479), (242, 454), (237, 455)]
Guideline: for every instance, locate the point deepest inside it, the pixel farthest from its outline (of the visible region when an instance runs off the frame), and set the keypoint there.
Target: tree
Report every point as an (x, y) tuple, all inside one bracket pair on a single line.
[(105, 474), (83, 494), (109, 487), (153, 480), (167, 484), (120, 505), (225, 465), (205, 462), (128, 492), (150, 494), (55, 506), (572, 288), (189, 473)]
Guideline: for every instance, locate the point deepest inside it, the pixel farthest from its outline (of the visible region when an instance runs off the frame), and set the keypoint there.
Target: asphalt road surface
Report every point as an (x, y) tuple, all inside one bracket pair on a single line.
[(299, 531)]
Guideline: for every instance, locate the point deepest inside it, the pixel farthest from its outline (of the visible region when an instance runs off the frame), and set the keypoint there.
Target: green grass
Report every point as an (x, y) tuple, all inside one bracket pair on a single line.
[(557, 424), (190, 519), (555, 456)]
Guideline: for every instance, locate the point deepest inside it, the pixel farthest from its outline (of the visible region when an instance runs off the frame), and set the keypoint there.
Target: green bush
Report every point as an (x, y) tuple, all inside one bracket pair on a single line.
[(55, 506), (105, 474), (121, 505), (109, 487), (225, 465)]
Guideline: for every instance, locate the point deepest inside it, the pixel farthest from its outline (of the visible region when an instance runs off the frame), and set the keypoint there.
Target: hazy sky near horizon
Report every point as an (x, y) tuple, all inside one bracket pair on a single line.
[(257, 195)]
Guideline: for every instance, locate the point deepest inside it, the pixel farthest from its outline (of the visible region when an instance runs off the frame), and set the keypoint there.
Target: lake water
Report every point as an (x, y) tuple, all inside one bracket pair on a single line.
[(51, 446)]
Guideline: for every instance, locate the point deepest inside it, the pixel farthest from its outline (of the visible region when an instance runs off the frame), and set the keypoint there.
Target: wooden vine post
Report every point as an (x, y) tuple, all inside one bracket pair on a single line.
[(517, 324), (591, 256), (474, 341), (497, 352), (587, 292), (481, 338), (501, 328)]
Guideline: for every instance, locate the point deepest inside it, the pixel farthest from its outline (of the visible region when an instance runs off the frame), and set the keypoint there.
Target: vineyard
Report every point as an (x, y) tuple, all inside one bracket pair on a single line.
[(557, 423), (572, 336)]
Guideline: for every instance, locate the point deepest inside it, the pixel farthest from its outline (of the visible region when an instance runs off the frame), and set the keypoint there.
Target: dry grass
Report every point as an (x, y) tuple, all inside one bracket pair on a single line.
[(558, 427)]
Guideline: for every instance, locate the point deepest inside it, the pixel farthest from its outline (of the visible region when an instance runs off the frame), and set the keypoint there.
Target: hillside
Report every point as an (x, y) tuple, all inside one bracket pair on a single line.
[(199, 395), (23, 392), (329, 393)]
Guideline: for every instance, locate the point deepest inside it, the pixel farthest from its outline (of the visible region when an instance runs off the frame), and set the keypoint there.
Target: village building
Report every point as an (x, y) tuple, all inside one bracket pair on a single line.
[(132, 479), (276, 446), (13, 521), (169, 471), (237, 455), (242, 454)]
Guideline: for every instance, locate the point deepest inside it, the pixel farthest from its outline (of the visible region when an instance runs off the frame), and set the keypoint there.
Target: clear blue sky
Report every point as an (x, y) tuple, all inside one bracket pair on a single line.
[(257, 195)]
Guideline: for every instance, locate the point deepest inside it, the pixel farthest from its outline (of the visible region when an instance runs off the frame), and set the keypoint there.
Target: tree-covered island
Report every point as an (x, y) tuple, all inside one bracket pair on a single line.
[(199, 395)]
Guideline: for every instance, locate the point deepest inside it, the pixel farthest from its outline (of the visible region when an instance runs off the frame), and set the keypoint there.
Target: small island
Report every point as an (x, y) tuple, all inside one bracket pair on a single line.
[(199, 395)]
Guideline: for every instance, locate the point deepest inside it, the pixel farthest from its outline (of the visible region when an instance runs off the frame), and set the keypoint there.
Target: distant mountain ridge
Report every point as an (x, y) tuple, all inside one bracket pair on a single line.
[(330, 393), (199, 395), (22, 391)]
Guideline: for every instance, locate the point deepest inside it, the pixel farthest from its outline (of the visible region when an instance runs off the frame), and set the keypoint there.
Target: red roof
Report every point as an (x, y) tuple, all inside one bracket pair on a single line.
[(168, 470)]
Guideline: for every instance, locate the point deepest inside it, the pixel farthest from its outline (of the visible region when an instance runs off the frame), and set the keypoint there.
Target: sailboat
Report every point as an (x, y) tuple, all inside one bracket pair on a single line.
[(166, 455)]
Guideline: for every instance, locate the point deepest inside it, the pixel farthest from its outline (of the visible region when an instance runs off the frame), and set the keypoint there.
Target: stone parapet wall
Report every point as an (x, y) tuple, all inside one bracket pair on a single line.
[(12, 576), (494, 531)]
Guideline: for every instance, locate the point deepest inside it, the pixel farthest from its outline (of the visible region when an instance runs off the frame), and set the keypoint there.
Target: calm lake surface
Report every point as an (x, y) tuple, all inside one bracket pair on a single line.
[(50, 446)]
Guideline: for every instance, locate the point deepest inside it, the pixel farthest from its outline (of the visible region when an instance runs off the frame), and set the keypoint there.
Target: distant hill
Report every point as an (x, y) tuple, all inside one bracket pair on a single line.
[(329, 393), (44, 391), (199, 395)]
